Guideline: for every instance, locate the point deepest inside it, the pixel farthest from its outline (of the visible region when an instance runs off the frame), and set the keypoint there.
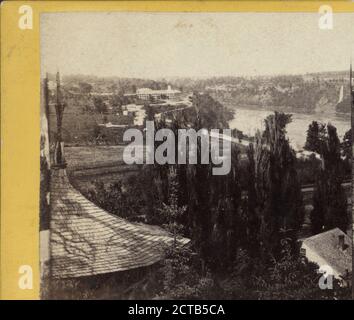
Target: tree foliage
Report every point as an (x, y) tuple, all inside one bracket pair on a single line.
[(329, 199), (315, 137), (100, 105)]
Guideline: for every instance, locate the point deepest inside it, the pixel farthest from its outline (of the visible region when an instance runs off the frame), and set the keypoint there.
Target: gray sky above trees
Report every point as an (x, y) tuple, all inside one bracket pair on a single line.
[(152, 45)]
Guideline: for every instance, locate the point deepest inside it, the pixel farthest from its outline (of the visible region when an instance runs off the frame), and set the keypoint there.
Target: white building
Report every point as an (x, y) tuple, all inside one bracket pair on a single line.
[(132, 107), (137, 110), (147, 93)]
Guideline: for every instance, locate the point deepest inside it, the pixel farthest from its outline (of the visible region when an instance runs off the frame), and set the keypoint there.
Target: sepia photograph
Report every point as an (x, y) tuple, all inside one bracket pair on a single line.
[(196, 156)]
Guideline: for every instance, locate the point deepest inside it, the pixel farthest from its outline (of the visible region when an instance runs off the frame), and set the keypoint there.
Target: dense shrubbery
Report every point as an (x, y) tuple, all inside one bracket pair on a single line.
[(329, 199), (290, 277)]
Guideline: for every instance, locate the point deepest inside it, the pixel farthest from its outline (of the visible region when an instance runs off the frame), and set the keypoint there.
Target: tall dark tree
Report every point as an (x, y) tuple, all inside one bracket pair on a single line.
[(330, 201), (150, 112), (276, 199), (100, 105), (347, 145), (254, 199), (200, 209), (320, 203), (171, 210), (236, 232), (315, 136), (286, 214), (331, 151), (336, 214)]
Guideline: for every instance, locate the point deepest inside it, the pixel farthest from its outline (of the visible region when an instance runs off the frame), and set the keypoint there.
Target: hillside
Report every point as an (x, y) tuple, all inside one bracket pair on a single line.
[(303, 94), (344, 106), (308, 93), (95, 100)]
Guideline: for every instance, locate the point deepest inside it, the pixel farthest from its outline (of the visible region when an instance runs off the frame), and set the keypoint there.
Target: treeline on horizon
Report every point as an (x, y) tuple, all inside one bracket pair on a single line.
[(302, 93)]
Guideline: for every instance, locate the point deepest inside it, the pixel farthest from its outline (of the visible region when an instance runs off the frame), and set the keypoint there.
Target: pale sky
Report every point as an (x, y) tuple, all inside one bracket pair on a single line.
[(153, 45)]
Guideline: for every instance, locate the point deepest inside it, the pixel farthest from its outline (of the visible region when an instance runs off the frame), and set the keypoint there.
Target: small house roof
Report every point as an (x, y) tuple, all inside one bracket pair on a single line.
[(326, 245)]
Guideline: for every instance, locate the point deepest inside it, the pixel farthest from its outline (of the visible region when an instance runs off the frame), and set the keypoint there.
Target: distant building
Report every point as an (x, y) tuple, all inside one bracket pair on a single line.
[(147, 93), (102, 94), (332, 249), (110, 125), (305, 154), (132, 107), (137, 111)]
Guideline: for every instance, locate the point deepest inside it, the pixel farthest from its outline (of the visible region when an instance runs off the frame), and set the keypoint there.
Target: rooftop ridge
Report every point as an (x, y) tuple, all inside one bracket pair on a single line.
[(320, 235)]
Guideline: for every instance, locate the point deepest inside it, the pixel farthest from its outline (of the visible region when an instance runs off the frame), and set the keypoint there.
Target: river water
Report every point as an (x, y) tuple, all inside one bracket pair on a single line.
[(249, 120)]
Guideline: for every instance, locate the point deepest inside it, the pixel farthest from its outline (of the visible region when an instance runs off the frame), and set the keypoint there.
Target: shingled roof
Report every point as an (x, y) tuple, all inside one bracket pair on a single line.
[(326, 246), (86, 240)]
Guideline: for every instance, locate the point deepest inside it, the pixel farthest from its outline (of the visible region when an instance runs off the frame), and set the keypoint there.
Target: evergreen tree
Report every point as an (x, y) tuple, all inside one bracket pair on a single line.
[(100, 105), (330, 201), (171, 211), (316, 134), (251, 206), (331, 153), (236, 231), (312, 138), (275, 203), (337, 216), (202, 210), (320, 204), (347, 145), (286, 212)]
